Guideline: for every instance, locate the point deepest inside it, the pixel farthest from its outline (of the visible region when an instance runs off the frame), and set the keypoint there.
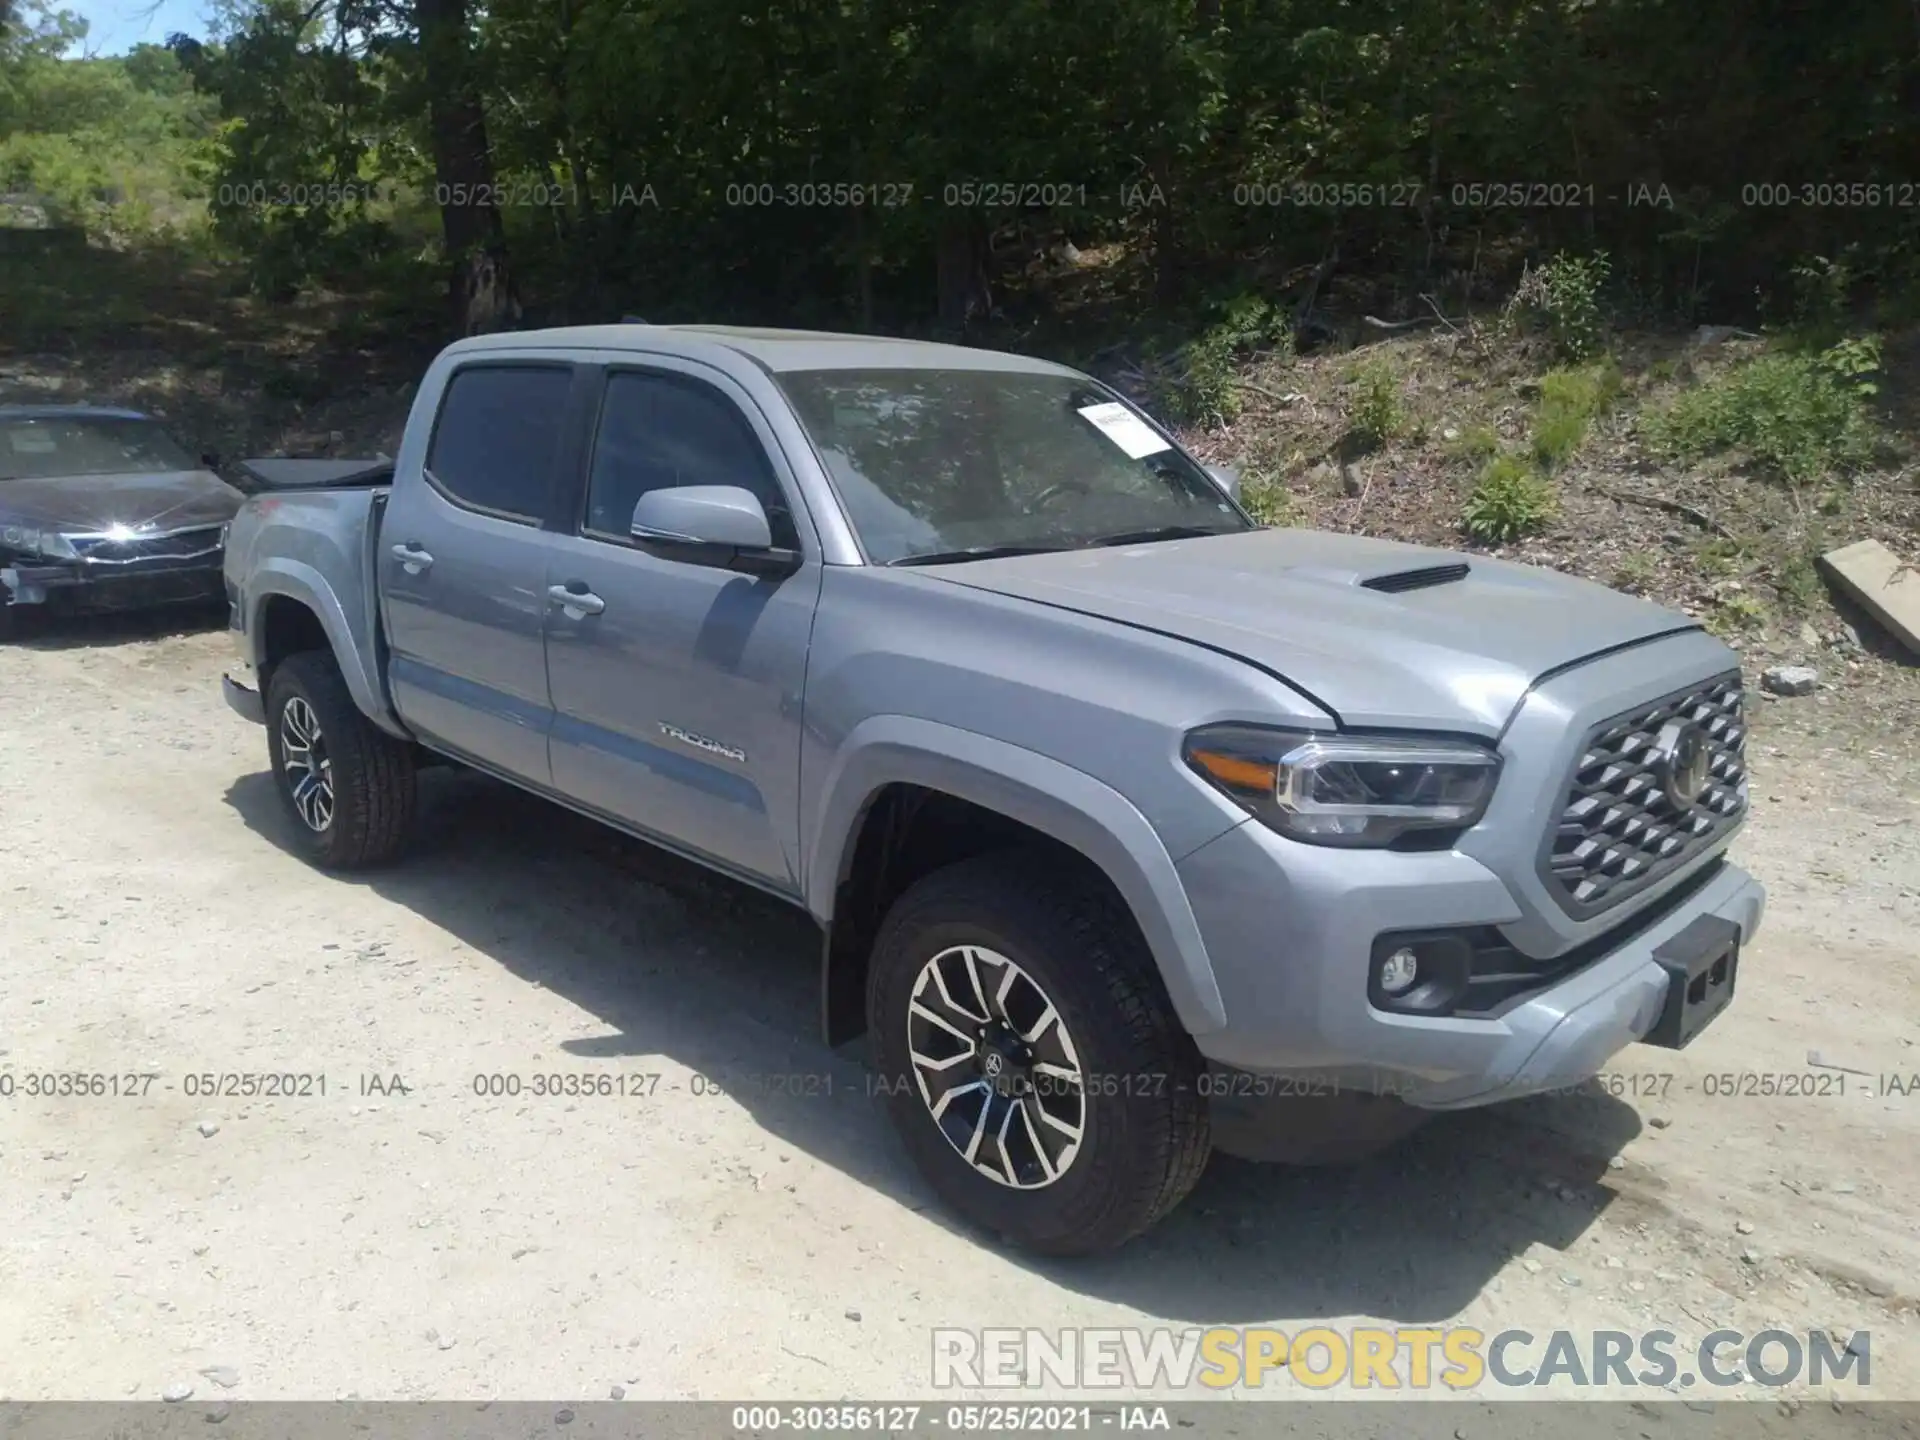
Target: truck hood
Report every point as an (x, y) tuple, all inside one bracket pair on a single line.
[(89, 504), (1446, 651)]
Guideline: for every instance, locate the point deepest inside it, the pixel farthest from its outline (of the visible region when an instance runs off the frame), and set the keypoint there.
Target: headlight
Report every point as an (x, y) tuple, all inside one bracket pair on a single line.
[(49, 543), (1350, 790)]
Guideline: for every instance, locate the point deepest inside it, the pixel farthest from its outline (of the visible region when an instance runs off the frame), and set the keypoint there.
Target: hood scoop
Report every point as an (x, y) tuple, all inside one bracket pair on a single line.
[(1401, 581)]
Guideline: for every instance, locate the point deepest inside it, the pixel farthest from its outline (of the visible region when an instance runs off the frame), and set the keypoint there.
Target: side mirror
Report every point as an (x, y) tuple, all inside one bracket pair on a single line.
[(1227, 477), (210, 459), (719, 525)]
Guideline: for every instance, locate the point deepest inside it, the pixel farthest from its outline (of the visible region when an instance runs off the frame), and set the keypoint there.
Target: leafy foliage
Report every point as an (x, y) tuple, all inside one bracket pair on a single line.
[(1268, 501), (1510, 500), (681, 159), (1801, 415), (1206, 391), (114, 145), (1570, 400), (1563, 297), (1474, 445), (1374, 413)]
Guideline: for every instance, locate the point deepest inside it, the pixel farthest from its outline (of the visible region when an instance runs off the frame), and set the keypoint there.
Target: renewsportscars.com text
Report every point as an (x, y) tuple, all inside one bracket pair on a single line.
[(1362, 1358)]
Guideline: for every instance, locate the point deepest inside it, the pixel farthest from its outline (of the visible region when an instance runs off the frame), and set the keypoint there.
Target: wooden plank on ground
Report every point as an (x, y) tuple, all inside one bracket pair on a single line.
[(1882, 584)]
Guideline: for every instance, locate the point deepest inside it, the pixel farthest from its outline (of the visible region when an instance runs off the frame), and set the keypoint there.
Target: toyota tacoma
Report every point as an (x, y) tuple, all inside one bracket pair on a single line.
[(1133, 830)]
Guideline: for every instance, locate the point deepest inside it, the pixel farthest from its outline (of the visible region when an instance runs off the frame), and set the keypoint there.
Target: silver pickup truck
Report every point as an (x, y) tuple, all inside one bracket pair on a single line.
[(1133, 830)]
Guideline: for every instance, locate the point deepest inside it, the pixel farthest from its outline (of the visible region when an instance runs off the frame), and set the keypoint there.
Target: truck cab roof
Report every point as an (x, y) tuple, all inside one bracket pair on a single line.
[(770, 349)]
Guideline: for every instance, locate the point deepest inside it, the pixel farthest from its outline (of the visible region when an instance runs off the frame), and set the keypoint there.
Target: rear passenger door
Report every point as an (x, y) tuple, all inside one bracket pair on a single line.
[(462, 571), (677, 700)]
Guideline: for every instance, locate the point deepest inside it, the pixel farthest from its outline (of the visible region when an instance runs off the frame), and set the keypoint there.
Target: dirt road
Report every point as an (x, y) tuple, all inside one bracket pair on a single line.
[(402, 1235)]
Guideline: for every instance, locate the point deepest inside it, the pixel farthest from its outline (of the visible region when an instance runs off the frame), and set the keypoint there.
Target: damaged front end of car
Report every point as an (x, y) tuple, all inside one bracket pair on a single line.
[(120, 567)]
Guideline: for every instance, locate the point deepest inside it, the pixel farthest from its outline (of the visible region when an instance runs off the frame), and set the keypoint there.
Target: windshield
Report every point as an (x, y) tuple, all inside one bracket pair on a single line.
[(51, 447), (947, 462)]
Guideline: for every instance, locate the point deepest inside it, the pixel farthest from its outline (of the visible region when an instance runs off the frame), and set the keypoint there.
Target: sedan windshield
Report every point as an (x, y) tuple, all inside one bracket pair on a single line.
[(53, 447), (935, 465)]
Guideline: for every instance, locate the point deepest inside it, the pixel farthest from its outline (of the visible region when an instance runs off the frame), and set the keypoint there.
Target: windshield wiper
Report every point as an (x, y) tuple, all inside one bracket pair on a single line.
[(1164, 532), (978, 552)]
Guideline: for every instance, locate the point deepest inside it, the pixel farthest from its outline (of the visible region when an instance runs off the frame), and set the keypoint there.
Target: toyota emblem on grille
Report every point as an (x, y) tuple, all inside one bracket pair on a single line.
[(1683, 763)]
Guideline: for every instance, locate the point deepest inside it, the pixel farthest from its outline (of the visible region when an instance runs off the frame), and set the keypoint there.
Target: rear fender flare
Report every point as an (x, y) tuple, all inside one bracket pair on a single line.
[(300, 582)]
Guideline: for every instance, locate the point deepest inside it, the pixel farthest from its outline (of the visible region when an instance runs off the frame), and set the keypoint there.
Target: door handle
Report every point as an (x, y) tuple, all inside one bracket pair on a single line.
[(576, 603), (412, 557)]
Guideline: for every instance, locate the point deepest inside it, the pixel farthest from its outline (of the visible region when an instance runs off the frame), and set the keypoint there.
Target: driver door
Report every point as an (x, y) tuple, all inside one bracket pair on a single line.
[(677, 686)]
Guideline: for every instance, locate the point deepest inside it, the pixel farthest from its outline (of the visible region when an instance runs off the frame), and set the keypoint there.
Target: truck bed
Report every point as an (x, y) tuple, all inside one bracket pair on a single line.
[(279, 474), (315, 542)]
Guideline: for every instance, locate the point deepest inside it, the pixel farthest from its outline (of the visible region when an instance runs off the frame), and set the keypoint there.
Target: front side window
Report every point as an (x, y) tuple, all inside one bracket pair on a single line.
[(497, 437), (931, 462), (661, 431), (57, 447)]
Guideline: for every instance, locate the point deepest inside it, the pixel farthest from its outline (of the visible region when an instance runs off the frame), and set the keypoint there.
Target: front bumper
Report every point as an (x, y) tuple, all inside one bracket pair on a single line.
[(77, 586), (1290, 928)]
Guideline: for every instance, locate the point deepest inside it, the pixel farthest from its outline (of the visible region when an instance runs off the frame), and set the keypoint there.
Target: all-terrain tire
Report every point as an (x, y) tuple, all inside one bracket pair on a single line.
[(1145, 1135), (372, 773)]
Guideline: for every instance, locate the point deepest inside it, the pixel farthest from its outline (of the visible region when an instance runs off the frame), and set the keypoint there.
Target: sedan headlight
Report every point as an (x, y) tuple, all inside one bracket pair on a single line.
[(49, 543), (1353, 790)]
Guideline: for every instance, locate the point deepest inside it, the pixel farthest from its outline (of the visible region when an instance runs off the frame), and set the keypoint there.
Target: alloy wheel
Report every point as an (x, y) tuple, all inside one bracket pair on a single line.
[(996, 1067), (307, 768)]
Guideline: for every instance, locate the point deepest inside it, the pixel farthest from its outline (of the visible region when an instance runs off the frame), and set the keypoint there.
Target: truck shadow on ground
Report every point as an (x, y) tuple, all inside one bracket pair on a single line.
[(685, 965)]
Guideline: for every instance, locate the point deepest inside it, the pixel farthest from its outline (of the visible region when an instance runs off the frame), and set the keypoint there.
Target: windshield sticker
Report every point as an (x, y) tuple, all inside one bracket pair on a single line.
[(31, 442), (1124, 428)]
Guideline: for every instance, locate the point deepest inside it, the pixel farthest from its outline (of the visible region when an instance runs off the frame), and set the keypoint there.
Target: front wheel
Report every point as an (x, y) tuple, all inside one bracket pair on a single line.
[(347, 785), (1034, 1067)]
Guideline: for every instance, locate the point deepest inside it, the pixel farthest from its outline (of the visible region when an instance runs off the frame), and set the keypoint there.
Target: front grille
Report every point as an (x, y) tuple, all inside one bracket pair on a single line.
[(1619, 830), (180, 545)]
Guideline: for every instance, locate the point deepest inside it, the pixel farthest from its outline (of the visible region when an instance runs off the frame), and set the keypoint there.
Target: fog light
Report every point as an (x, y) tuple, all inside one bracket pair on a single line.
[(1399, 970)]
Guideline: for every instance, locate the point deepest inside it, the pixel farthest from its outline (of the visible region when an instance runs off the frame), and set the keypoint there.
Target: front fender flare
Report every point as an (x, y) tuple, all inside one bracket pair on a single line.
[(1054, 798), (301, 582)]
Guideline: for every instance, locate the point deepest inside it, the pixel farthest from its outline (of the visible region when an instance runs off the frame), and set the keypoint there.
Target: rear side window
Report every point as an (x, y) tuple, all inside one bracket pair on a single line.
[(497, 435)]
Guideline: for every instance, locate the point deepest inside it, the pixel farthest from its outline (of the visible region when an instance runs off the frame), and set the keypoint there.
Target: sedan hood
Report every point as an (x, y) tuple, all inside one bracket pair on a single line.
[(88, 504), (1437, 651)]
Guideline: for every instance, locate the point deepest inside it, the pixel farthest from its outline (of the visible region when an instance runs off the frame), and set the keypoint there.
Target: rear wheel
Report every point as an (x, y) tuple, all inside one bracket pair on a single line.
[(1034, 1067), (347, 785)]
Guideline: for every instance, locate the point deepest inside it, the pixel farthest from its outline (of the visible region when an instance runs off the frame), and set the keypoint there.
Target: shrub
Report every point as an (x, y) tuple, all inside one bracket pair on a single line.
[(1800, 415), (1475, 445), (1206, 392), (1267, 501), (1374, 415), (1635, 572), (1563, 298), (1508, 501), (1798, 582), (1570, 400), (1820, 294), (1736, 613)]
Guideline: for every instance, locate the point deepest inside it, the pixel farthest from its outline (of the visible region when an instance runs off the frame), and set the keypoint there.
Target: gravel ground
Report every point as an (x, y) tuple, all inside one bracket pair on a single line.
[(401, 1236)]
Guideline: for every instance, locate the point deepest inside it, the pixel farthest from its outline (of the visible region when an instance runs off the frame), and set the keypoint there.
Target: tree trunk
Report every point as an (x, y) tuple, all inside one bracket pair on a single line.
[(962, 261), (481, 288)]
